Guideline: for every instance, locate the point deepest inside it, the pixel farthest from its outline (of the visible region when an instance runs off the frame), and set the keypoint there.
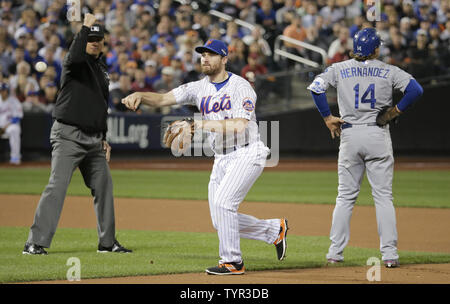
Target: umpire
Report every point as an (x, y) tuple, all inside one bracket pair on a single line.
[(78, 138)]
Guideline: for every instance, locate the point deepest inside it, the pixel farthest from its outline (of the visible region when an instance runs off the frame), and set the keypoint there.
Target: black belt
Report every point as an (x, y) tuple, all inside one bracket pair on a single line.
[(87, 131), (229, 150), (349, 125)]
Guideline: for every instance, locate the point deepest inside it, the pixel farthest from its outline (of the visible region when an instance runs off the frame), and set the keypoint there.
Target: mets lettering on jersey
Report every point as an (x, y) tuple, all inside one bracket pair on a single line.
[(207, 107), (233, 98)]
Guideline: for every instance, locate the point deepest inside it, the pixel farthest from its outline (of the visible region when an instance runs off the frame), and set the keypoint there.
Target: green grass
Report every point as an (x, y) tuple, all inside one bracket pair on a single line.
[(411, 188), (165, 253)]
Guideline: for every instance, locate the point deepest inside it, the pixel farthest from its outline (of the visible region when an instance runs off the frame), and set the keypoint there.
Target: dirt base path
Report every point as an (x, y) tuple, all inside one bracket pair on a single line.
[(420, 229)]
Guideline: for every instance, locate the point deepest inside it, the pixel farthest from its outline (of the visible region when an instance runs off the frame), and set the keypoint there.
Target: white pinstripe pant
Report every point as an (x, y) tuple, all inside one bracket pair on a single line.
[(231, 178)]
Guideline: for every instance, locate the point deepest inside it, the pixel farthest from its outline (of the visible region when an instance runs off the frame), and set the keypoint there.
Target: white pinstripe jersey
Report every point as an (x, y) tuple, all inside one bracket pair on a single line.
[(9, 108), (235, 99)]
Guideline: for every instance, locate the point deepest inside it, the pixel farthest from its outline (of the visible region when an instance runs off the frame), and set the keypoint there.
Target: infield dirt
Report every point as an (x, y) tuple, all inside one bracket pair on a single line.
[(420, 229)]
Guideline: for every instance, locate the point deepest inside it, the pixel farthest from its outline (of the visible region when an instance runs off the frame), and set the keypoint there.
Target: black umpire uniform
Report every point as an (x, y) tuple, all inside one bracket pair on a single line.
[(77, 138)]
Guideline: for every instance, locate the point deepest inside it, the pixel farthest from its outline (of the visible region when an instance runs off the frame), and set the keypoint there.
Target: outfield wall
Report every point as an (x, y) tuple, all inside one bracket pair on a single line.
[(422, 130)]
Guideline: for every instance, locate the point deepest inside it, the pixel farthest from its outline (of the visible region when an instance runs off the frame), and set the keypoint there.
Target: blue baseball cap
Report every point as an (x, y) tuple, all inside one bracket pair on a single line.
[(215, 46), (4, 86)]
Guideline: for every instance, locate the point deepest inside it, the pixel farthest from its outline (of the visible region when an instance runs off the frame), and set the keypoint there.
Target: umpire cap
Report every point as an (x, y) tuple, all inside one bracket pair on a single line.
[(96, 31), (365, 42)]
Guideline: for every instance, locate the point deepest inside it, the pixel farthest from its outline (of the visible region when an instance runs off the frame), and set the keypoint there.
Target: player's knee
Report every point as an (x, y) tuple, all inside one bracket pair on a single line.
[(13, 130)]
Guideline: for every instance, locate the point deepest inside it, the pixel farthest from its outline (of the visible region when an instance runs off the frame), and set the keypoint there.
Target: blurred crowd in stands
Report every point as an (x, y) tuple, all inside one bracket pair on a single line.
[(150, 43)]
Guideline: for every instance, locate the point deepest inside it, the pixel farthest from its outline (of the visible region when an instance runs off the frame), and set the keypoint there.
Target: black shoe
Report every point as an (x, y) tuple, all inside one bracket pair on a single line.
[(227, 268), (116, 247), (33, 249), (281, 242)]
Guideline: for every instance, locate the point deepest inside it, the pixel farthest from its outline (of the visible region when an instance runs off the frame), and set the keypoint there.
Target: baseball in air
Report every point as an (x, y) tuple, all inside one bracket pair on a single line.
[(41, 66)]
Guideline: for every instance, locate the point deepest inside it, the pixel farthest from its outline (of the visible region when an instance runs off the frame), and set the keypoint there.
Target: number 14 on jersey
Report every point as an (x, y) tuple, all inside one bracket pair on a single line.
[(365, 98)]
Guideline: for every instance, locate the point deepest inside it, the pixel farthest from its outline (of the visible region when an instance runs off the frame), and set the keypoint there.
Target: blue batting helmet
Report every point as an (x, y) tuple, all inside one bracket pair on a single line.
[(365, 42)]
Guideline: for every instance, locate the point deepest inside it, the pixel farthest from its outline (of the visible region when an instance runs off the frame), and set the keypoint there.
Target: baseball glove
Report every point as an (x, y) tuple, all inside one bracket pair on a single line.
[(2, 131), (386, 115), (179, 134)]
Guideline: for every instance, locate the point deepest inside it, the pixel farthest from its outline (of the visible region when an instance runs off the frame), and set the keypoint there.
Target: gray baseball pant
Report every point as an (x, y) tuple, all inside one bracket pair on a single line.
[(365, 148), (72, 148)]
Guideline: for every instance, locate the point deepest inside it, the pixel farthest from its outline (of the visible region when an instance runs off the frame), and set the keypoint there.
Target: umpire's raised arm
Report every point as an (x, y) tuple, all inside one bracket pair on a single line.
[(77, 51)]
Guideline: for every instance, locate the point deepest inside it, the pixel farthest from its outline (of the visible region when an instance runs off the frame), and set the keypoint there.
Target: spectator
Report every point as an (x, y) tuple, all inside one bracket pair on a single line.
[(407, 9), (266, 16), (436, 43), (165, 9), (167, 82), (324, 31), (29, 23), (121, 14), (32, 103), (226, 7), (332, 13), (441, 12), (382, 27), (114, 76), (20, 81), (252, 69), (232, 32), (121, 92), (247, 12), (421, 63), (445, 35), (257, 36), (49, 59), (356, 26), (312, 37), (178, 68), (195, 73), (405, 30), (295, 31), (311, 14), (53, 43), (6, 57), (188, 61), (397, 51), (284, 14), (49, 98), (340, 48), (204, 27), (237, 56), (139, 84), (151, 72), (31, 53)]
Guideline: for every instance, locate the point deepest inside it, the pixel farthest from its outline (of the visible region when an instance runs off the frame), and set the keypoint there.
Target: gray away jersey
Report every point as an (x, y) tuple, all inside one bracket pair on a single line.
[(363, 88), (236, 99)]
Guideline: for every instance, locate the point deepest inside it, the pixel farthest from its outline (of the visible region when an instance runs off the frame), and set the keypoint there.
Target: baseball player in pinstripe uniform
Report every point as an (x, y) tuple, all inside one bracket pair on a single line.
[(227, 105), (364, 85), (10, 115)]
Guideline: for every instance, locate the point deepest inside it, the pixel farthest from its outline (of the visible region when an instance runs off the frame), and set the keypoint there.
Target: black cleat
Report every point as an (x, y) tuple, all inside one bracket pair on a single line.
[(281, 242), (116, 247), (33, 249), (227, 269)]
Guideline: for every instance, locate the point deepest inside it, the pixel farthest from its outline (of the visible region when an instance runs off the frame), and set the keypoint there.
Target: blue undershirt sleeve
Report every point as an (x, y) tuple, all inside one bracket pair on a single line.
[(321, 103), (412, 93)]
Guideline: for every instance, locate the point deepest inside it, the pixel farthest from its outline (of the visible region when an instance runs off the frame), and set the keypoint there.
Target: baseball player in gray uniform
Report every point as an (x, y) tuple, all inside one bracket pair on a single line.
[(364, 86)]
